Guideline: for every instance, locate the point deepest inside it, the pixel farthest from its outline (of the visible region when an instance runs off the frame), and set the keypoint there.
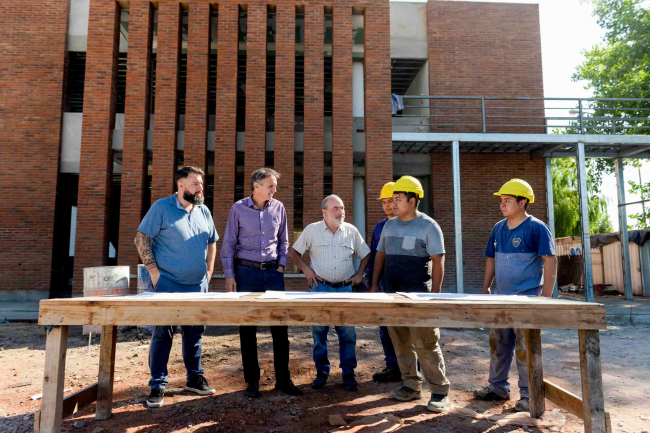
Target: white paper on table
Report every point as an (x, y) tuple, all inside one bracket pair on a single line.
[(193, 295), (270, 294), (468, 297)]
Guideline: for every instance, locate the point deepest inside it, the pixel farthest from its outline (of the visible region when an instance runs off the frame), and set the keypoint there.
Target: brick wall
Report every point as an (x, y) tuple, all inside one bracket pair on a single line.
[(136, 125), (486, 49), (255, 145), (166, 119), (196, 109), (96, 165), (226, 115), (379, 153), (481, 175), (30, 121), (342, 159)]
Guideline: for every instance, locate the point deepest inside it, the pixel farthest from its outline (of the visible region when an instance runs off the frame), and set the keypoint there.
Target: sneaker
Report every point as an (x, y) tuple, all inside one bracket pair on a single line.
[(487, 394), (199, 385), (156, 399), (406, 394), (252, 390), (350, 383), (522, 405), (289, 388), (387, 375), (438, 403), (320, 381)]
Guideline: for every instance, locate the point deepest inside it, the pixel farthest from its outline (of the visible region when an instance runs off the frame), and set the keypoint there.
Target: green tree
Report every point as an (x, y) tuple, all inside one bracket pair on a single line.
[(566, 203)]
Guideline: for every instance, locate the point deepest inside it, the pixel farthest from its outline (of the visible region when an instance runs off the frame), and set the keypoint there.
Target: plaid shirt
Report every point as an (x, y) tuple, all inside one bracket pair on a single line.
[(331, 253)]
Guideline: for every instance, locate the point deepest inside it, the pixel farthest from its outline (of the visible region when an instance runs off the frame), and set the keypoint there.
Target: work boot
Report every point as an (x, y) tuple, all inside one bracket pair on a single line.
[(289, 388), (252, 390), (522, 405), (387, 375), (199, 385), (350, 383), (486, 394), (438, 403), (319, 382), (406, 394), (156, 399)]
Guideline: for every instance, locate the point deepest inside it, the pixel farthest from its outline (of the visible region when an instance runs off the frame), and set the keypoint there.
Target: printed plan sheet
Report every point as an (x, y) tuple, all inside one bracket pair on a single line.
[(468, 297), (325, 295), (194, 295)]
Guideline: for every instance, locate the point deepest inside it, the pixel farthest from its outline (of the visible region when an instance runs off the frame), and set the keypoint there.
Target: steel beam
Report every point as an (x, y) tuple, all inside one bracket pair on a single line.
[(622, 222), (549, 206), (458, 231), (584, 222), (629, 153)]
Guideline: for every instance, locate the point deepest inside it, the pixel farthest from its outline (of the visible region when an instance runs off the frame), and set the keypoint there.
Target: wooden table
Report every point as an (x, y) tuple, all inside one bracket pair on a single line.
[(111, 311)]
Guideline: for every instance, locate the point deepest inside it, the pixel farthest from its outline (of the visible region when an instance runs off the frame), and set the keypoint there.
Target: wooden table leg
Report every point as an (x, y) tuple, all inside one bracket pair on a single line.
[(592, 381), (537, 395), (52, 406), (106, 372)]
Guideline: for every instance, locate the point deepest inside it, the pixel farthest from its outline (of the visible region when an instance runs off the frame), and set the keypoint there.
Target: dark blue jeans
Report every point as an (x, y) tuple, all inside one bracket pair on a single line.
[(347, 340), (161, 339), (252, 279), (389, 350)]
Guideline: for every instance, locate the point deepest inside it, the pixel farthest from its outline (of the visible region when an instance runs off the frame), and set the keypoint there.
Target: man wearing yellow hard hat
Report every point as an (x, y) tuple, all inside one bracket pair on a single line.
[(521, 255), (407, 244), (391, 373)]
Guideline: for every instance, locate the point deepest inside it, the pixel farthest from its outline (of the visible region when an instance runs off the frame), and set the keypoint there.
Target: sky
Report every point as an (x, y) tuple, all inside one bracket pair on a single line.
[(567, 28)]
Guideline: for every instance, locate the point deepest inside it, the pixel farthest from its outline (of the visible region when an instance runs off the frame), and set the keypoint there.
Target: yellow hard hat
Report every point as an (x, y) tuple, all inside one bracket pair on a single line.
[(409, 184), (517, 188), (386, 191)]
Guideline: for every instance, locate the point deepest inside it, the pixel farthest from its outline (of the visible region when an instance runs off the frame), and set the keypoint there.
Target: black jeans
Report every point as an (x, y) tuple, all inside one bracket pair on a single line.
[(251, 279)]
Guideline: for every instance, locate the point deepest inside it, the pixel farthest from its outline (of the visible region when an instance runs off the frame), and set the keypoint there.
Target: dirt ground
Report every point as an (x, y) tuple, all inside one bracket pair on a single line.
[(626, 377)]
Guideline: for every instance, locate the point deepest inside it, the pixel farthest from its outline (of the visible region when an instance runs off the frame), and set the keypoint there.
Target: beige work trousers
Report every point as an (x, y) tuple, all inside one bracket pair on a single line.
[(417, 343)]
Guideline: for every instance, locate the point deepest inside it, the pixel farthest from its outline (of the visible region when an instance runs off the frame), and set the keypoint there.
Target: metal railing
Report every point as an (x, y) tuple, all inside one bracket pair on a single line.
[(504, 114)]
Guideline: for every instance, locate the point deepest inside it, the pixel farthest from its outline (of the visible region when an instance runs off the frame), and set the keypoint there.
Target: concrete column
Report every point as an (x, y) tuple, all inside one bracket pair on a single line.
[(314, 141), (342, 129), (96, 162), (379, 139), (458, 229), (226, 117), (136, 125), (285, 83), (167, 77), (255, 144), (622, 222), (196, 101), (549, 206), (584, 222)]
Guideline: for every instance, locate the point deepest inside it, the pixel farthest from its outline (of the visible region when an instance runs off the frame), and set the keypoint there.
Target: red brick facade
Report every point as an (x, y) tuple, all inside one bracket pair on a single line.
[(30, 121), (136, 126), (475, 48), (96, 165)]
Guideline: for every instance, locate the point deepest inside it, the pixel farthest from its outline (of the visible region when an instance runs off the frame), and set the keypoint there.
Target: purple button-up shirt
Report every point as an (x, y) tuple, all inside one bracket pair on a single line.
[(254, 234)]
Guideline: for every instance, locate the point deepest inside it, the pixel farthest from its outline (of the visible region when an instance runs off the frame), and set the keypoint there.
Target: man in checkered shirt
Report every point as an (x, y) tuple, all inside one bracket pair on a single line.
[(332, 243)]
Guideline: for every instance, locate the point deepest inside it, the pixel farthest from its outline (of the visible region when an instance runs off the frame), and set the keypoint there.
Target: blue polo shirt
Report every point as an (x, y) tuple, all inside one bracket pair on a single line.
[(517, 253), (180, 239)]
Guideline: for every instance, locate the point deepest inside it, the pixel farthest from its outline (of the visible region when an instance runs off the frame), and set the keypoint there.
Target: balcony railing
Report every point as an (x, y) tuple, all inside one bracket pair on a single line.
[(523, 115)]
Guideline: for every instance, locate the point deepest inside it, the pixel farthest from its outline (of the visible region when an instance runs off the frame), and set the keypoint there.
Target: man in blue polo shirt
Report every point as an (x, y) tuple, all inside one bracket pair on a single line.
[(177, 244), (521, 254)]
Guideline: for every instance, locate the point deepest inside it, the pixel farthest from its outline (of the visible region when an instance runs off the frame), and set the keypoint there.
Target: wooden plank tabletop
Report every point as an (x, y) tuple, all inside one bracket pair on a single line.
[(131, 310)]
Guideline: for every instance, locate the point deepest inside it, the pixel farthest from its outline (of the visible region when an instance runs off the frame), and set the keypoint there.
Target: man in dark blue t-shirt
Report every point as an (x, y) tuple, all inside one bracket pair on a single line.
[(521, 255)]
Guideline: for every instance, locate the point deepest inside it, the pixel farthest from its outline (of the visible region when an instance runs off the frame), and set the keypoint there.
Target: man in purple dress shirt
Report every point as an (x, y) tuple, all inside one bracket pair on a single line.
[(254, 255)]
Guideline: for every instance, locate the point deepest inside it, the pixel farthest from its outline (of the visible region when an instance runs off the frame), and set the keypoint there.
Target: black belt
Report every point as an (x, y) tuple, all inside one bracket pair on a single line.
[(262, 266), (335, 285)]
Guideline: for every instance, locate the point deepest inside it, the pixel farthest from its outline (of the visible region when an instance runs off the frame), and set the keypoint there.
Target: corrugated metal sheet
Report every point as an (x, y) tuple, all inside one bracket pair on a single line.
[(645, 268), (614, 267)]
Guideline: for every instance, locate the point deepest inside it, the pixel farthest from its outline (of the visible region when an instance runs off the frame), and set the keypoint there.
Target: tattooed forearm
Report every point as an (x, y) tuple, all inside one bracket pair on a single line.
[(143, 245)]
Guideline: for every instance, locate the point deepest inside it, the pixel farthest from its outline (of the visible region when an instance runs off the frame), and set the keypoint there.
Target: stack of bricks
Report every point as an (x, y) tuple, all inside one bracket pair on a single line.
[(136, 126), (33, 62), (96, 164)]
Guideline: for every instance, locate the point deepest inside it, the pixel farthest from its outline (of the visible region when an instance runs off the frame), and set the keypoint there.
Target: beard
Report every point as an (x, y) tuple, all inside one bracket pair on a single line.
[(195, 199)]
